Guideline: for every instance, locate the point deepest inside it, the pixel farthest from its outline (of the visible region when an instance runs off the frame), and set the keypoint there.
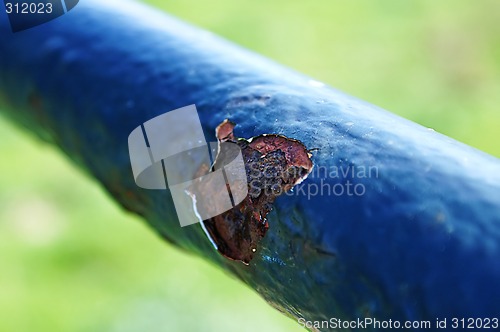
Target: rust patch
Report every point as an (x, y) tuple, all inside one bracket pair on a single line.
[(273, 165)]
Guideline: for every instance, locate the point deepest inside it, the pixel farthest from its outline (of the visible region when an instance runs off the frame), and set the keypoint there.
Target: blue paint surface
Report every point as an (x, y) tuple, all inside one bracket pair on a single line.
[(422, 241)]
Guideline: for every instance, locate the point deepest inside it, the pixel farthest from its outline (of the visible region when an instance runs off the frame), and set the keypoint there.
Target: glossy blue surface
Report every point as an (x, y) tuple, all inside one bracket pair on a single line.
[(421, 242)]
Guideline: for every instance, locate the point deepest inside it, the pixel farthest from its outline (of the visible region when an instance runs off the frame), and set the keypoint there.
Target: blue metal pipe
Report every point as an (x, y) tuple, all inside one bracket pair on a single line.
[(395, 222)]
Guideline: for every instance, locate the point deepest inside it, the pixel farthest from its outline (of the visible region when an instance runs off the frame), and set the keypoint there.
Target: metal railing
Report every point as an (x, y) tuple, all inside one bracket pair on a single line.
[(395, 221)]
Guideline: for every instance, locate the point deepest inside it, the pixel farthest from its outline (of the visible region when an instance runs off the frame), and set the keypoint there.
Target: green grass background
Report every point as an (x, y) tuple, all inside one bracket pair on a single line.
[(71, 260)]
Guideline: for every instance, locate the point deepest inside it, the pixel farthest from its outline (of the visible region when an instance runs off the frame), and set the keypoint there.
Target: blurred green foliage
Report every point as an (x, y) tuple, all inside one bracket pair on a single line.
[(71, 260), (434, 62)]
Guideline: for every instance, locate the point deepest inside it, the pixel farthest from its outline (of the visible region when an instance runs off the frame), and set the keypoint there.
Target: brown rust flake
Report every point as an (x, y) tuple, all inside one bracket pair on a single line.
[(273, 165)]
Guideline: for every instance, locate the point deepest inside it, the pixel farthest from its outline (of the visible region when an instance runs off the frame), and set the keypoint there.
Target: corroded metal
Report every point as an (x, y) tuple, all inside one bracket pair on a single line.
[(395, 222)]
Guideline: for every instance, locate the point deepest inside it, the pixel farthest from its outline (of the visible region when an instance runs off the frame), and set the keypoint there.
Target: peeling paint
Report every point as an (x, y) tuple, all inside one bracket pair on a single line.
[(274, 164)]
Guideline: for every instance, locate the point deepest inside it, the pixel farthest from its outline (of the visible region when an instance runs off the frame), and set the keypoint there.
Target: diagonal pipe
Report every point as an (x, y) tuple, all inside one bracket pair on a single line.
[(395, 222)]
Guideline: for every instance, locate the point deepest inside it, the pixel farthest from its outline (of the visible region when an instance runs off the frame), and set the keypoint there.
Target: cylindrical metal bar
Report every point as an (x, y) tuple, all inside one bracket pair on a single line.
[(395, 222)]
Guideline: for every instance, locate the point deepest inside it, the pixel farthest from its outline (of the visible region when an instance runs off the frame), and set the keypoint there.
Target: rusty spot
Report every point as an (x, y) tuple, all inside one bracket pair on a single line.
[(273, 165)]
